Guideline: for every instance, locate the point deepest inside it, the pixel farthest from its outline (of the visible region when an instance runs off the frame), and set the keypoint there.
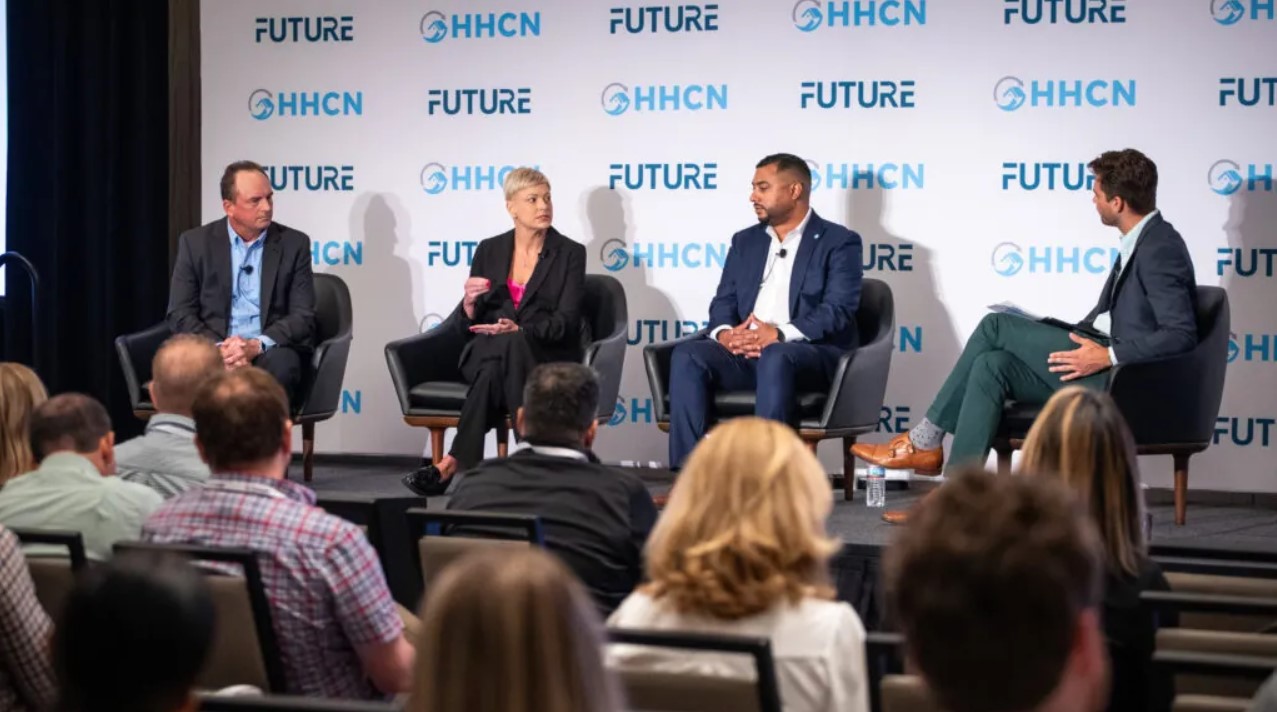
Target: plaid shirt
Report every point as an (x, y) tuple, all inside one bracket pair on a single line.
[(26, 677), (326, 587)]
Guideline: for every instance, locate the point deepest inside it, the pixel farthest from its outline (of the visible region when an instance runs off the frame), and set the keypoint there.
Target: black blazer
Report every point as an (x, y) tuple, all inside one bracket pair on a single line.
[(200, 293), (1153, 304), (597, 518), (550, 313)]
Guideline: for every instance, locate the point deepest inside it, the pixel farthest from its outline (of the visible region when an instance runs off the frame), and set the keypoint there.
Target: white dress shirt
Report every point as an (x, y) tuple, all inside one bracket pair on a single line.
[(818, 646), (772, 304)]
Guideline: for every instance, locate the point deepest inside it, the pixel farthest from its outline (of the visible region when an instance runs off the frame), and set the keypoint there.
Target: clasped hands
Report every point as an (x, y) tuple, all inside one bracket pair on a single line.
[(474, 288), (1087, 359), (750, 337), (238, 352)]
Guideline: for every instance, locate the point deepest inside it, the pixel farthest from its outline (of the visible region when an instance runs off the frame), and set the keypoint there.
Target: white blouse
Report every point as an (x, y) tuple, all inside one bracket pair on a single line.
[(818, 647)]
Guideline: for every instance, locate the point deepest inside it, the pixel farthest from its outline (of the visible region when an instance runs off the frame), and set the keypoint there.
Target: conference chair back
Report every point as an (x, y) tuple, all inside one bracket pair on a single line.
[(57, 558), (1212, 670), (906, 693), (245, 649), (288, 703), (689, 692), (443, 537), (1209, 703)]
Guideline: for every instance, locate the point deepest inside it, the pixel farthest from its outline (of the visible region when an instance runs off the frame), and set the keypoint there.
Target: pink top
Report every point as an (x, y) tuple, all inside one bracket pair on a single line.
[(516, 291)]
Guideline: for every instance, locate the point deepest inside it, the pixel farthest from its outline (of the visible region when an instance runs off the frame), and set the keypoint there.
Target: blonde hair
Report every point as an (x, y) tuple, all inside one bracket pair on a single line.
[(523, 177), (1081, 437), (20, 393), (517, 618), (745, 526)]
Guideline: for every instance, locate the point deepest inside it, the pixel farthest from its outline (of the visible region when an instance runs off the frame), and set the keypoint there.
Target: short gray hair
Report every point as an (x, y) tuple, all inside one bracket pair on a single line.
[(523, 177)]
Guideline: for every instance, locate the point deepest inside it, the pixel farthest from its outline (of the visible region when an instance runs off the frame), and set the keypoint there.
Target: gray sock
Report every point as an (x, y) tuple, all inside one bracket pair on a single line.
[(926, 435)]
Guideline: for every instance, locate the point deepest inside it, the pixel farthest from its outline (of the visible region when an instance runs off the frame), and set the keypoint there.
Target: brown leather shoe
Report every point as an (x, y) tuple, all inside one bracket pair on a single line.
[(899, 453), (896, 516)]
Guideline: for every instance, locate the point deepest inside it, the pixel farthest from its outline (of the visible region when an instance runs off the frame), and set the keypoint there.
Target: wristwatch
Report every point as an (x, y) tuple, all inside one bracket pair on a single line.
[(780, 336)]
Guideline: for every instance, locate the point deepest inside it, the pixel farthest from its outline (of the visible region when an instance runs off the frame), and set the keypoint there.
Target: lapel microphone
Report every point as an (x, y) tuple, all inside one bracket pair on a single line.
[(782, 253), (247, 269)]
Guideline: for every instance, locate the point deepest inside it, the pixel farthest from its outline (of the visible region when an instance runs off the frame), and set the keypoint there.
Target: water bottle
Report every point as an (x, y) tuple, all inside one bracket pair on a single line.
[(875, 486)]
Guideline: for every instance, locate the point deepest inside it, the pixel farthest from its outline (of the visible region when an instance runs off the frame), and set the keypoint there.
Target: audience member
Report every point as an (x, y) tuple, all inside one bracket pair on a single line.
[(1081, 437), (510, 631), (74, 487), (996, 587), (337, 625), (741, 549), (596, 518), (20, 392), (134, 636), (165, 458), (26, 678)]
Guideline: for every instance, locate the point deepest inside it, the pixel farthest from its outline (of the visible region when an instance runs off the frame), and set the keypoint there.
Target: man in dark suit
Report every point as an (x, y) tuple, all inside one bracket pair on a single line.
[(1147, 310), (245, 282), (596, 518), (784, 313)]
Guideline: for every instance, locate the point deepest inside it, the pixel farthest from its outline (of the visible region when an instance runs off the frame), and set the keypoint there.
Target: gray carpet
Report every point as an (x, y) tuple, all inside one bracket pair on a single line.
[(1225, 526)]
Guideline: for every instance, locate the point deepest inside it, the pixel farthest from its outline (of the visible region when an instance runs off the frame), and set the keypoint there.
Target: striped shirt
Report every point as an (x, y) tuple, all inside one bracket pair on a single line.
[(26, 678), (326, 588), (164, 458)]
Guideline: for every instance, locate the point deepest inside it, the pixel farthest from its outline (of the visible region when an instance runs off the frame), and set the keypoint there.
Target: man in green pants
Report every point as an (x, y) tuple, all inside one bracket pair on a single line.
[(1147, 310)]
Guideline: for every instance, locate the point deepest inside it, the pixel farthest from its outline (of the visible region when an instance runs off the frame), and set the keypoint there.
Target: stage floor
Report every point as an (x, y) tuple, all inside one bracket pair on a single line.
[(1210, 524)]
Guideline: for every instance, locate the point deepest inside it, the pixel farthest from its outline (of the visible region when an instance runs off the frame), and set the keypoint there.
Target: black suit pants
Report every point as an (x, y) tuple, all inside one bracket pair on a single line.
[(496, 367)]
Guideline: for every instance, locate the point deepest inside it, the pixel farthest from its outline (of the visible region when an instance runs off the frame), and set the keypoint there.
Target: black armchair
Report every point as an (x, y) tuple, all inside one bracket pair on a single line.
[(850, 408), (428, 381), (321, 386), (1170, 404)]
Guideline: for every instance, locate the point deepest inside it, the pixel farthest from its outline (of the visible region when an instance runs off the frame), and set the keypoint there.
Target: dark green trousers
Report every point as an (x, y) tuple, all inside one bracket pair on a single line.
[(1005, 359)]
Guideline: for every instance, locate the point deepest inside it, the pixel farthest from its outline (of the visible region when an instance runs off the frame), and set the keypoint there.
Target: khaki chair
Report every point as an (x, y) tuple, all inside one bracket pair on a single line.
[(1215, 664), (53, 574), (443, 537), (288, 703), (245, 650), (686, 692), (1230, 586), (906, 693), (1209, 703)]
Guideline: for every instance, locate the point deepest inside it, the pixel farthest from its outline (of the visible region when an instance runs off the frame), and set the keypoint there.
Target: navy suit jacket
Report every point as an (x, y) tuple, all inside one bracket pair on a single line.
[(823, 294), (200, 292), (1153, 303)]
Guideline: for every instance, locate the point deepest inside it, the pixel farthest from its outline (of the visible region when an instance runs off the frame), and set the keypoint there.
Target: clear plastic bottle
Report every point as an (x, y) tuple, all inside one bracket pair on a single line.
[(875, 486)]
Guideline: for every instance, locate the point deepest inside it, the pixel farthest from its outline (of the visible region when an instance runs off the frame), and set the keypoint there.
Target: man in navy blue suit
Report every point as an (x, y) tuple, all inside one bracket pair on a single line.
[(784, 312)]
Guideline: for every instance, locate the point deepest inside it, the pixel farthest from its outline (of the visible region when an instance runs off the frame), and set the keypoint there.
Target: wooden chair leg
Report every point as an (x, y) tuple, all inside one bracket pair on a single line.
[(436, 445), (1004, 461), (1181, 489), (308, 450), (811, 445), (848, 468), (503, 441)]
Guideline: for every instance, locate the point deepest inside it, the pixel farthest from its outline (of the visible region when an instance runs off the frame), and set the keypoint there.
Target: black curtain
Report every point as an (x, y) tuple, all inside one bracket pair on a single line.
[(88, 185)]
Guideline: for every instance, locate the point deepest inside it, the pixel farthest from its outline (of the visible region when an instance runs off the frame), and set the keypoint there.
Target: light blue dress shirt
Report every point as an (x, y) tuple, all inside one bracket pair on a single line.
[(246, 289)]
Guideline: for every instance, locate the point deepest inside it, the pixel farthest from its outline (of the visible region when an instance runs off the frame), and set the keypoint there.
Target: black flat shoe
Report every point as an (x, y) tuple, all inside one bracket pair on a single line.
[(426, 482)]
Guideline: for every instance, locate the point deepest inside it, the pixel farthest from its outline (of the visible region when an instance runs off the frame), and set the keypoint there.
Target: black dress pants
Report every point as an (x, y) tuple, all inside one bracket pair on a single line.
[(496, 367)]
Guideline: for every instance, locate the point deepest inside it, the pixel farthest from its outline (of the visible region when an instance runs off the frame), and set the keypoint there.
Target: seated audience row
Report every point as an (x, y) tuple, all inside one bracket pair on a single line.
[(741, 549)]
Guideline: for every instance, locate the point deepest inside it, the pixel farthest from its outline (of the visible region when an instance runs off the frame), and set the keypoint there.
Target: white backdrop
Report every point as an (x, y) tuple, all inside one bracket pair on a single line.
[(929, 124)]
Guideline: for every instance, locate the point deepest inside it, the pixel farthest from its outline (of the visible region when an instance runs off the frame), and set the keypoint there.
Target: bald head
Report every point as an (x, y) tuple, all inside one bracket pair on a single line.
[(183, 364)]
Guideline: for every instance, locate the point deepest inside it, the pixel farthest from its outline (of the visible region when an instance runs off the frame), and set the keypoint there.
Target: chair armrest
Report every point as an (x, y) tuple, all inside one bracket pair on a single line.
[(859, 387), (136, 351), (656, 360), (607, 357), (328, 369), (431, 356)]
